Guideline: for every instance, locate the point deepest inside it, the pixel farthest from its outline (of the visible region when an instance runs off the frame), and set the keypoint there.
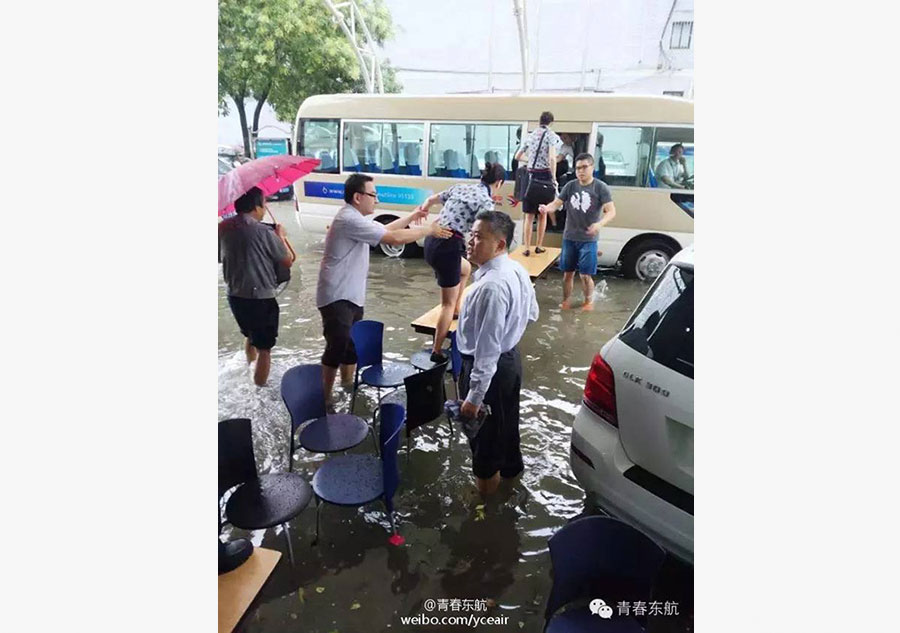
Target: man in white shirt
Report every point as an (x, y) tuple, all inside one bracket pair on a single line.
[(671, 173), (341, 289), (491, 323)]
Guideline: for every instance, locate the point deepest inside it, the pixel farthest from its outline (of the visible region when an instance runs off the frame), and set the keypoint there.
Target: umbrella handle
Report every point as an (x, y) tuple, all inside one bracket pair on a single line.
[(286, 241)]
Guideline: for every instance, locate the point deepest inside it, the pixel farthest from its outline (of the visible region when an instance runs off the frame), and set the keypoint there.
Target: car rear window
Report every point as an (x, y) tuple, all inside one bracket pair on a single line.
[(662, 327)]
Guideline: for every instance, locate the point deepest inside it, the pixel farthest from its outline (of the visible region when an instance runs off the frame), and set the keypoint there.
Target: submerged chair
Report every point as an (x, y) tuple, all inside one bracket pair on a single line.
[(424, 400), (599, 557), (304, 397), (355, 480), (261, 501), (371, 369)]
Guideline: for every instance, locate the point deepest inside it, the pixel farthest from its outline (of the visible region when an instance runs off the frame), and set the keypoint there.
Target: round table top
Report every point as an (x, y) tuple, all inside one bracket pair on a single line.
[(350, 480), (387, 374), (333, 432), (270, 500)]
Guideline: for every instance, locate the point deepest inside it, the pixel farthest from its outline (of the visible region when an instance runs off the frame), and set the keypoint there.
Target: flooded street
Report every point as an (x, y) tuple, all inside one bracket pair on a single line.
[(354, 580)]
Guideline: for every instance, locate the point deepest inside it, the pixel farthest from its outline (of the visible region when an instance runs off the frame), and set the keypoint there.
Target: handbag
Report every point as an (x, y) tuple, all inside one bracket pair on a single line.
[(282, 272), (470, 426), (544, 186)]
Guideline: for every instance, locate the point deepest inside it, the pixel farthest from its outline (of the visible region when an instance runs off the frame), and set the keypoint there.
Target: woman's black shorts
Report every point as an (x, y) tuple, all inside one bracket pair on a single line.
[(445, 257)]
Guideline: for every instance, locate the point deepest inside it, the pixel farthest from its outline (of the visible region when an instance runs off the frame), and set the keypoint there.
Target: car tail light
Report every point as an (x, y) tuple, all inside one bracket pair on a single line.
[(600, 391)]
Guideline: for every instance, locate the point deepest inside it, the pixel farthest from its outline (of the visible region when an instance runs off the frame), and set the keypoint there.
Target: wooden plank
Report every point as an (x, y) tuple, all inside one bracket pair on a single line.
[(239, 587), (427, 323), (536, 263)]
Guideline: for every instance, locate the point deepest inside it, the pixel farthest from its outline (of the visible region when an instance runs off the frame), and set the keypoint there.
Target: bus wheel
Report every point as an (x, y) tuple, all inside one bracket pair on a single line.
[(646, 260), (402, 250)]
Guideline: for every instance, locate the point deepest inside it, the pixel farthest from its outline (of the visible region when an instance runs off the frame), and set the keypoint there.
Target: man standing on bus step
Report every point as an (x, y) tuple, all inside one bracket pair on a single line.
[(491, 324), (249, 251), (585, 198), (341, 289)]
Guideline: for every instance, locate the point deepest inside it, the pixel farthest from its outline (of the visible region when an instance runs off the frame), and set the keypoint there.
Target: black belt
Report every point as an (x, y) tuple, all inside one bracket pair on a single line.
[(469, 357)]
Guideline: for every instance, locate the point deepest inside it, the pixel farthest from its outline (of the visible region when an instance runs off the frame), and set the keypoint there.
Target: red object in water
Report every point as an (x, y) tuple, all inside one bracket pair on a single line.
[(396, 540), (270, 174)]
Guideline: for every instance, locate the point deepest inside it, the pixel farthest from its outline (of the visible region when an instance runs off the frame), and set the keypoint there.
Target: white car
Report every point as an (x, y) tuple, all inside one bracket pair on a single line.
[(633, 437)]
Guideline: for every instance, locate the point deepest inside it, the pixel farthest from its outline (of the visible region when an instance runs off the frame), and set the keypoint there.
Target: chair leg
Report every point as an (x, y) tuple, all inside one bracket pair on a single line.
[(374, 441), (291, 454), (319, 505), (355, 389), (287, 537)]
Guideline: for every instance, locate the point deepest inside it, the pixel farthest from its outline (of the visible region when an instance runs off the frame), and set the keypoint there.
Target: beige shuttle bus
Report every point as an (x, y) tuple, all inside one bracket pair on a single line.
[(415, 146)]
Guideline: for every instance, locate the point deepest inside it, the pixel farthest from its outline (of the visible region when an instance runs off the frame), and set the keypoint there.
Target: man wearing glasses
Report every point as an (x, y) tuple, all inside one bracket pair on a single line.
[(341, 290), (585, 199)]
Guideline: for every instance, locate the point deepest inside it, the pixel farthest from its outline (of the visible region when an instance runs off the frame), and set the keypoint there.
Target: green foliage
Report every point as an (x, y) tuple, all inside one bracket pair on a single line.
[(287, 50)]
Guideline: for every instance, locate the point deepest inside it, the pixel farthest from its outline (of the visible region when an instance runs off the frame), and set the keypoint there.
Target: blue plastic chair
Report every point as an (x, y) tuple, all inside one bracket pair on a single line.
[(304, 397), (355, 480), (425, 397), (371, 369), (599, 557)]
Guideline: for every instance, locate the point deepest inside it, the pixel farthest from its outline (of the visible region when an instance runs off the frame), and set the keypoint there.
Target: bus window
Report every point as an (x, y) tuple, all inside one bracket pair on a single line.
[(625, 152), (319, 139), (460, 150), (664, 164), (383, 148)]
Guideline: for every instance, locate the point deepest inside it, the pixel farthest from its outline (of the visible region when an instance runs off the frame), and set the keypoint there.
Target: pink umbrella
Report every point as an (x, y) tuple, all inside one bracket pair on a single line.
[(270, 174)]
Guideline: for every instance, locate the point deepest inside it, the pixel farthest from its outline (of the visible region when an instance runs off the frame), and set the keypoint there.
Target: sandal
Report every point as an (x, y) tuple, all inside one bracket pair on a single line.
[(540, 249), (527, 252)]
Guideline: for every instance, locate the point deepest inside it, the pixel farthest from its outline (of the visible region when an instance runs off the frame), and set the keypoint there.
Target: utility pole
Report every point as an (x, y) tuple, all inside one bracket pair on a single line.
[(519, 12), (348, 16)]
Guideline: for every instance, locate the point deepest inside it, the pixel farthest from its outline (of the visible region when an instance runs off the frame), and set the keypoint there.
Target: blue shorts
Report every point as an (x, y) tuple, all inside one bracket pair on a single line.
[(578, 255)]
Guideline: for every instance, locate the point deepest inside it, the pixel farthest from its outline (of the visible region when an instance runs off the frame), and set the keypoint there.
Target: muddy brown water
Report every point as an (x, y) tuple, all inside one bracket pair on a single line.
[(354, 580)]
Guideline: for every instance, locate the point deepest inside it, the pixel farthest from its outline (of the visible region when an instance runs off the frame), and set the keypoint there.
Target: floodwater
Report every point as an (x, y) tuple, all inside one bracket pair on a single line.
[(354, 580)]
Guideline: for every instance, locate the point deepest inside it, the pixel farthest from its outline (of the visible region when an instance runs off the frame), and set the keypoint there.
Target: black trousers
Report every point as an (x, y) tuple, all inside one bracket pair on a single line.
[(496, 447)]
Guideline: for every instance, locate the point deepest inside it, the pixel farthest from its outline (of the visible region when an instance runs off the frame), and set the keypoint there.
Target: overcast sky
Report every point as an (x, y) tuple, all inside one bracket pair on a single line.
[(471, 35)]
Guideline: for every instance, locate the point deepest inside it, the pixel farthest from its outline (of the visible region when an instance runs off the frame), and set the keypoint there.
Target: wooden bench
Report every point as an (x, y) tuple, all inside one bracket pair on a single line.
[(239, 587), (536, 263)]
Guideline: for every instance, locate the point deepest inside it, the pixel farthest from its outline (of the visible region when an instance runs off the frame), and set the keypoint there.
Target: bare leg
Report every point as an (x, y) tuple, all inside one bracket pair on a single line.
[(263, 362), (448, 302), (528, 219), (542, 228), (348, 372), (465, 270), (568, 285), (488, 486), (249, 350), (587, 285), (328, 375)]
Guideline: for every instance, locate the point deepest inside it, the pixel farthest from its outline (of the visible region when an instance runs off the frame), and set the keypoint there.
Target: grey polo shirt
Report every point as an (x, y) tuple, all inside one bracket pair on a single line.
[(345, 265), (249, 250)]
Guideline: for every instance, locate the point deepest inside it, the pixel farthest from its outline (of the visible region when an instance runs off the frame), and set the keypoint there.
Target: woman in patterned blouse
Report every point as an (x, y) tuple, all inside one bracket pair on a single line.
[(447, 257)]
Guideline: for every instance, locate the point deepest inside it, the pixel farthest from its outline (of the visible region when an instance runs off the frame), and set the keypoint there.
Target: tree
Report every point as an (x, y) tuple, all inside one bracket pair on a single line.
[(282, 51)]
